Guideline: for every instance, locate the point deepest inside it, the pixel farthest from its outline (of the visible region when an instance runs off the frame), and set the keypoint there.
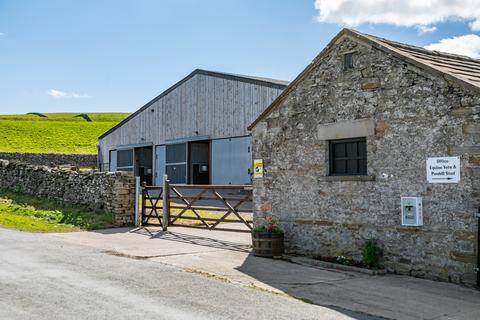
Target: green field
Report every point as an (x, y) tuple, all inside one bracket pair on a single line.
[(58, 133)]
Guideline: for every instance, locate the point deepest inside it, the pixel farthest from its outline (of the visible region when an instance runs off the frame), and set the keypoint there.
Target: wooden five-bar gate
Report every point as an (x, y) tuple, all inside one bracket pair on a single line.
[(212, 207)]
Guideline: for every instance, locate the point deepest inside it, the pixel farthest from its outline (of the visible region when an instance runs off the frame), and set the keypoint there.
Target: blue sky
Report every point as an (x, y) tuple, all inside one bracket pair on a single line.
[(109, 56)]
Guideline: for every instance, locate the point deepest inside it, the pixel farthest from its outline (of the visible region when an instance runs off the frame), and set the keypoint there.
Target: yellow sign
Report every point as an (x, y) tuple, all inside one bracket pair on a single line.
[(257, 168)]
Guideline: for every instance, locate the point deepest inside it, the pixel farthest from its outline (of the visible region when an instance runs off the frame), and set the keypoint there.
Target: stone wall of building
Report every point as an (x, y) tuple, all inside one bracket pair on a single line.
[(53, 159), (110, 191), (416, 115)]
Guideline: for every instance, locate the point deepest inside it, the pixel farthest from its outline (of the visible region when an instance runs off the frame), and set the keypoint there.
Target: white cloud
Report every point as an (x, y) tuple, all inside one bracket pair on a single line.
[(425, 29), (422, 14), (79, 95), (56, 93), (60, 94), (467, 45), (475, 25)]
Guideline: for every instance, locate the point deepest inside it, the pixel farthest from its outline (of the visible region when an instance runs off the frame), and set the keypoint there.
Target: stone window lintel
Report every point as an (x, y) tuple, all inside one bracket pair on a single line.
[(347, 178)]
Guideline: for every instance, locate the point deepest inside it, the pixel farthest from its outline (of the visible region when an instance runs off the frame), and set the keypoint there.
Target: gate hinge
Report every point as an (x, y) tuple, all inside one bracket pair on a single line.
[(477, 215), (477, 270)]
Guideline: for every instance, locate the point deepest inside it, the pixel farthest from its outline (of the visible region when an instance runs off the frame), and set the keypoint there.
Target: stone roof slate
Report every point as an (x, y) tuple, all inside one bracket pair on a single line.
[(462, 69)]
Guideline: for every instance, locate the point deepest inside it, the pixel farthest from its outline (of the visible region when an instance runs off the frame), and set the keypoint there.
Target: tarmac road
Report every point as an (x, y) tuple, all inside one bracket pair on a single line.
[(45, 278)]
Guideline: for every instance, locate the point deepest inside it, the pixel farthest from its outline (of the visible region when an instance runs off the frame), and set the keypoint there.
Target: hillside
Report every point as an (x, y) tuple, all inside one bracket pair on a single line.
[(57, 133)]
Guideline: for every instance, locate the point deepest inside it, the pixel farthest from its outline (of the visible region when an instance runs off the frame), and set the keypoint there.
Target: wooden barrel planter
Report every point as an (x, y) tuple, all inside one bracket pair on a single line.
[(267, 244)]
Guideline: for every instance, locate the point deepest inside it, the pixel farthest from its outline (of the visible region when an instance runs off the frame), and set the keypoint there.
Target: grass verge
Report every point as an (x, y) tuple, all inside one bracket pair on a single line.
[(29, 213)]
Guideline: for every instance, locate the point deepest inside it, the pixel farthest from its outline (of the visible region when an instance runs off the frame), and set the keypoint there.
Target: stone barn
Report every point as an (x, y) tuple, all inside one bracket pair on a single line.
[(195, 131), (377, 139)]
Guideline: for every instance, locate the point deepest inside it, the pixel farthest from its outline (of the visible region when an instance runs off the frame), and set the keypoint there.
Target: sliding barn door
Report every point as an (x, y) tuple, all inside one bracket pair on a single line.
[(231, 161)]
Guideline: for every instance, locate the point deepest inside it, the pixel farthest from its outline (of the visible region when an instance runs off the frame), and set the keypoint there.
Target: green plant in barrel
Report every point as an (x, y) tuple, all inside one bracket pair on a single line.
[(267, 239), (270, 225)]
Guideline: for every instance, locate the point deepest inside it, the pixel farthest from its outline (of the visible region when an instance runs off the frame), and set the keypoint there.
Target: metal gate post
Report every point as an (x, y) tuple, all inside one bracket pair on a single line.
[(142, 190), (166, 204), (137, 199)]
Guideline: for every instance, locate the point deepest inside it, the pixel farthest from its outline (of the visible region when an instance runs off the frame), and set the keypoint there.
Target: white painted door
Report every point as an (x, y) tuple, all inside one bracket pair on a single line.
[(113, 160)]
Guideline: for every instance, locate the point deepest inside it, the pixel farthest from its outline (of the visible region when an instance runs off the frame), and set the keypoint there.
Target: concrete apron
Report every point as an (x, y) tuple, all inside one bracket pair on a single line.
[(226, 256)]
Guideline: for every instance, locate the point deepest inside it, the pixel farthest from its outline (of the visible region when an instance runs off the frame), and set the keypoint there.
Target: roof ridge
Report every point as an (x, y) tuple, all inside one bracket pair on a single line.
[(263, 79), (280, 84)]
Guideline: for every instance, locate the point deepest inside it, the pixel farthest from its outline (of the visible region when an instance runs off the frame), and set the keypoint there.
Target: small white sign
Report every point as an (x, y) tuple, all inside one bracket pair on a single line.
[(443, 170), (412, 211)]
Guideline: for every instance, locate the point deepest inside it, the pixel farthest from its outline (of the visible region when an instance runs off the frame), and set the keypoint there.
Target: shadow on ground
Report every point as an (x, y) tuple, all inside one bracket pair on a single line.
[(353, 295), (200, 240), (193, 239), (284, 276)]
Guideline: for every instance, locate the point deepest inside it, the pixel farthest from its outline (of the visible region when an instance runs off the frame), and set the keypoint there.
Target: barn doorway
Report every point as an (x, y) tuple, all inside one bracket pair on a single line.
[(144, 164), (199, 162)]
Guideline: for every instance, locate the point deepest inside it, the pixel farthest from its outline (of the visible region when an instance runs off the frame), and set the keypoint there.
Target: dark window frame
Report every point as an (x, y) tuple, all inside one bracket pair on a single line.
[(348, 61), (358, 157)]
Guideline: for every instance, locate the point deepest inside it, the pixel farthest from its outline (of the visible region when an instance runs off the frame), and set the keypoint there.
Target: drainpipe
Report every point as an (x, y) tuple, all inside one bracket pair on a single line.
[(477, 269)]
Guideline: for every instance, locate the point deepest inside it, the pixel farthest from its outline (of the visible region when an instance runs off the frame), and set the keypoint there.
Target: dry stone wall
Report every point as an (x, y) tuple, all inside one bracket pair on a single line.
[(52, 159), (110, 191), (416, 115)]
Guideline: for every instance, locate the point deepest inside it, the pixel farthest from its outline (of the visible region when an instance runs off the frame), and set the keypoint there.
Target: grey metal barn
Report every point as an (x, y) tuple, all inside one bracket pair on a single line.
[(195, 131)]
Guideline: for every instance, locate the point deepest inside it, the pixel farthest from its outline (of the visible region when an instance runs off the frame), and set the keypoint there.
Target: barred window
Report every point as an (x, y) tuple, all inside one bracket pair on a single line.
[(348, 157)]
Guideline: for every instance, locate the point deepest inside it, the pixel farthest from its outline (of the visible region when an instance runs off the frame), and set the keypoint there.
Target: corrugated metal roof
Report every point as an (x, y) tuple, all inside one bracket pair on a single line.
[(463, 67), (261, 79)]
